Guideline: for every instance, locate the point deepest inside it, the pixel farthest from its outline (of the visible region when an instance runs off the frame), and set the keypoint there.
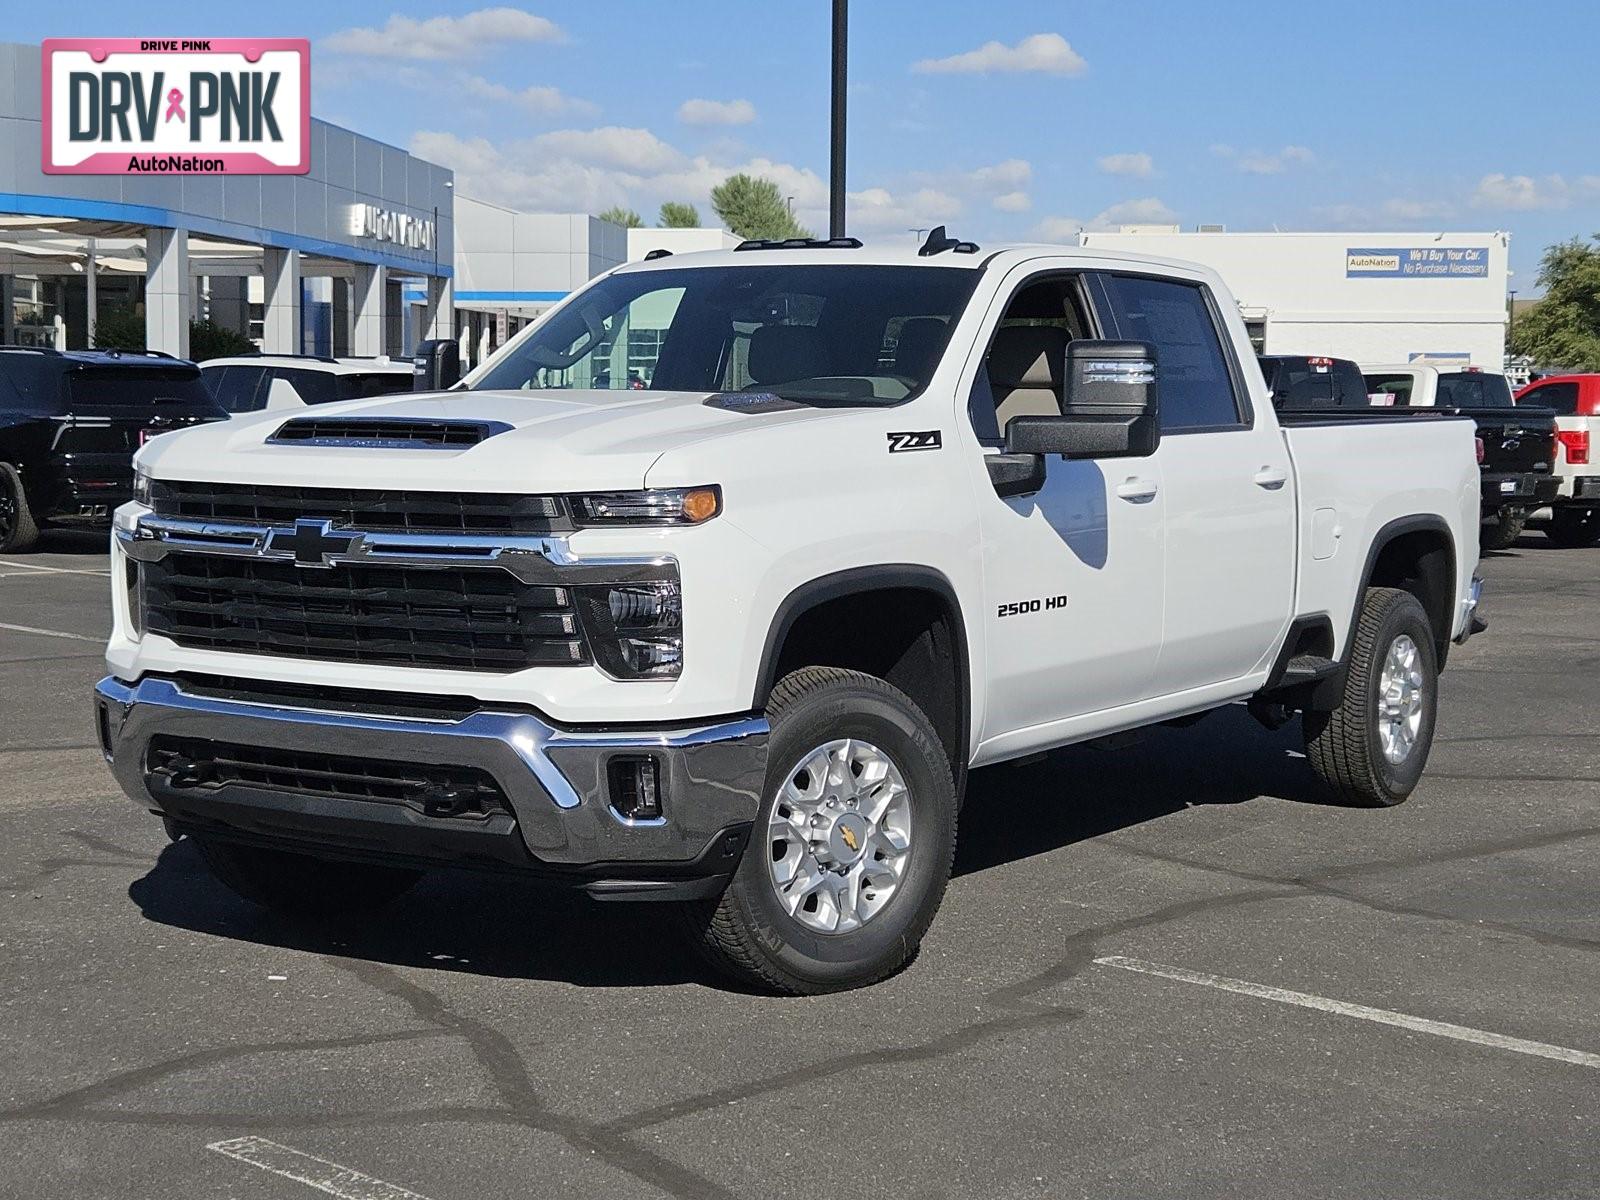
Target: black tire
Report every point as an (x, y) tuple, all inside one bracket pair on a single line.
[(300, 886), (1344, 746), (1574, 528), (747, 933), (19, 532), (1502, 530)]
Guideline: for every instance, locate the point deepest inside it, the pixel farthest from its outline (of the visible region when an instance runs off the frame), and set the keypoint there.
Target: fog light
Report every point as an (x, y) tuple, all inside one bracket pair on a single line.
[(635, 788)]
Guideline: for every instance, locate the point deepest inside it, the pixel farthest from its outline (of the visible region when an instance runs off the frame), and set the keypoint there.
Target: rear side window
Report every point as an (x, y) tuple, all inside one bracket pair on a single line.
[(1350, 390), (1562, 397), (1197, 389), (237, 389), (313, 387), (1473, 389), (35, 379), (373, 383)]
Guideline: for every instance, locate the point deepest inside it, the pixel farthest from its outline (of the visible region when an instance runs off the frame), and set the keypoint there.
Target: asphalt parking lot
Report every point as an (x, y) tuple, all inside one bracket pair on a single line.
[(1139, 985)]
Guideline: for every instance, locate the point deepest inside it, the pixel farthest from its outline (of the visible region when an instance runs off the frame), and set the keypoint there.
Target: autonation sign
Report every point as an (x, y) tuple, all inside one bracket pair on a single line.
[(1417, 262), (216, 106)]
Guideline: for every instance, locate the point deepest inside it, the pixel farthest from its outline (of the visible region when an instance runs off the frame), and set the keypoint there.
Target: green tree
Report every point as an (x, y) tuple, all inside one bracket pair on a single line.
[(119, 328), (1563, 330), (678, 216), (625, 217), (755, 208), (209, 340)]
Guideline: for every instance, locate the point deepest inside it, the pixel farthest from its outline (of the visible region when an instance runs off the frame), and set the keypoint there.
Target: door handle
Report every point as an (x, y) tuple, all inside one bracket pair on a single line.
[(1138, 491), (1271, 478)]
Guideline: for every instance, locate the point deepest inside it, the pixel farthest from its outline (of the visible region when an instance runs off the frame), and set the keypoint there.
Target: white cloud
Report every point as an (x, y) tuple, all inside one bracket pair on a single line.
[(542, 101), (1524, 193), (440, 38), (636, 150), (1049, 53), (590, 170), (1146, 210), (716, 112), (877, 210), (1258, 162), (1401, 209), (1012, 202), (1012, 173), (1138, 166)]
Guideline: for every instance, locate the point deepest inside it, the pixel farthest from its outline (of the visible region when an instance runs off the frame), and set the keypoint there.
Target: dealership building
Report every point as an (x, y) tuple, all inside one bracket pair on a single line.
[(1371, 297), (354, 257)]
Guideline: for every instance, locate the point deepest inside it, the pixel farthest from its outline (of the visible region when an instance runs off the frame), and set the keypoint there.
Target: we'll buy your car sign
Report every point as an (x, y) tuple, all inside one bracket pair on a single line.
[(214, 106)]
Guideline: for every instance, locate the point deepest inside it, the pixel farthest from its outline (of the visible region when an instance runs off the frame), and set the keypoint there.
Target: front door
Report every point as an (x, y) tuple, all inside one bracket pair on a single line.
[(1073, 572)]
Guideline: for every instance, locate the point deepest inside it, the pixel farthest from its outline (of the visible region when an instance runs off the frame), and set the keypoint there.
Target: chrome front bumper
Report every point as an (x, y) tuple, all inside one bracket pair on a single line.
[(554, 780)]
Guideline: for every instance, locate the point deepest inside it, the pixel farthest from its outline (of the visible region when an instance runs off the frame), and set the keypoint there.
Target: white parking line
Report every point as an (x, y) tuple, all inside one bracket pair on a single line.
[(1343, 1008), (310, 1170), (77, 637), (6, 562)]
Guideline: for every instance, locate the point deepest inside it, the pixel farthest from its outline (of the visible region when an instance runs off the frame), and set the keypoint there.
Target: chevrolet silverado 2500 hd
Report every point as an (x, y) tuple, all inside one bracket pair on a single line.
[(734, 640)]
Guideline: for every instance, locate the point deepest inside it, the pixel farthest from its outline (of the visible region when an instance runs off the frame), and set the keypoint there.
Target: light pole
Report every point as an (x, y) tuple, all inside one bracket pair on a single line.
[(841, 23), (1511, 319)]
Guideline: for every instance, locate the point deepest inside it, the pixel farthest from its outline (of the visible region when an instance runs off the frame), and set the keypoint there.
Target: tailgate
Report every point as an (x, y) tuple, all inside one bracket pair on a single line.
[(1516, 441)]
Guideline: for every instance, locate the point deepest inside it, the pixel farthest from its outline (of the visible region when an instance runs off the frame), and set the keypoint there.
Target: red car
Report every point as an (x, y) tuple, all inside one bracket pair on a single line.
[(1573, 519)]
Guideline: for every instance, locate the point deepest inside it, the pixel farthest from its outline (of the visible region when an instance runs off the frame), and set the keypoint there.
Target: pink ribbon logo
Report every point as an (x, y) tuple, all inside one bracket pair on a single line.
[(175, 105)]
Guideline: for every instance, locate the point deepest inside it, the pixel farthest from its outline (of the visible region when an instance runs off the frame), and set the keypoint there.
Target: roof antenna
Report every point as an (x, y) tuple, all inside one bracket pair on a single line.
[(938, 242)]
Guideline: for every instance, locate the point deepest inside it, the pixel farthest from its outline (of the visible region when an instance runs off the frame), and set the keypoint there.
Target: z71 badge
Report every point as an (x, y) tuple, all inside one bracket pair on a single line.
[(927, 439)]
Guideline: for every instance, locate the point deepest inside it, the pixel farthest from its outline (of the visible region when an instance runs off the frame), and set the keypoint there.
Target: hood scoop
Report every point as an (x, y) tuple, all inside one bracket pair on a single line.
[(385, 433)]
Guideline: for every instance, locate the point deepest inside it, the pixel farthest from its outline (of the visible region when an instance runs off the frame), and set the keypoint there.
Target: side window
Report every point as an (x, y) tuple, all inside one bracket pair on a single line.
[(1022, 374), (236, 389), (1562, 397), (1197, 388), (314, 387), (1351, 388), (378, 383)]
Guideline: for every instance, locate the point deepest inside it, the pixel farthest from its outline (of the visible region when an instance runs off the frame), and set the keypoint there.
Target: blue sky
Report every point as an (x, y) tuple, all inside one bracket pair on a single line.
[(1006, 119)]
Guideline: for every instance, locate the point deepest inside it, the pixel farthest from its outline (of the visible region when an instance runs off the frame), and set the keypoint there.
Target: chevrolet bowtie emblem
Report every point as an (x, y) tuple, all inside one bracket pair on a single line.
[(849, 837), (311, 543)]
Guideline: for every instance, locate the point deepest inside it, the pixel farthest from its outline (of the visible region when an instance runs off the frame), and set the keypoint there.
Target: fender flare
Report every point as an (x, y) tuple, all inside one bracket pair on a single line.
[(857, 580)]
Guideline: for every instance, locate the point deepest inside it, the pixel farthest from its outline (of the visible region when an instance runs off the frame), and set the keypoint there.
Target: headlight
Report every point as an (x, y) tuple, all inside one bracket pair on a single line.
[(635, 629), (652, 506), (141, 486)]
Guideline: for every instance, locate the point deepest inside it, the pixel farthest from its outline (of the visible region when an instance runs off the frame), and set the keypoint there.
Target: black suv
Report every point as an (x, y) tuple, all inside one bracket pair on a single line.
[(70, 423)]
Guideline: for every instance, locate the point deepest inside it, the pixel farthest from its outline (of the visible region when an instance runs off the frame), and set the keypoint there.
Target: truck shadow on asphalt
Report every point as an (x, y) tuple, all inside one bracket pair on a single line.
[(505, 927)]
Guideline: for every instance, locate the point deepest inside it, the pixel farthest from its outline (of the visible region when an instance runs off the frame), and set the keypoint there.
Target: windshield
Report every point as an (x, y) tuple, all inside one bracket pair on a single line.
[(819, 334)]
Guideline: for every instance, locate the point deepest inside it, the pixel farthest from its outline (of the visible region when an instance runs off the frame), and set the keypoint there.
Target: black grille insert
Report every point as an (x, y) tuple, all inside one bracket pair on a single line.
[(435, 791), (386, 433), (462, 618), (378, 511)]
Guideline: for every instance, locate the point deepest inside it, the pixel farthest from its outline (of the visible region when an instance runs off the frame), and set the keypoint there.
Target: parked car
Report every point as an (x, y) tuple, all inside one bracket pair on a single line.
[(252, 382), (1519, 444), (70, 424), (735, 640), (1573, 518), (1306, 383)]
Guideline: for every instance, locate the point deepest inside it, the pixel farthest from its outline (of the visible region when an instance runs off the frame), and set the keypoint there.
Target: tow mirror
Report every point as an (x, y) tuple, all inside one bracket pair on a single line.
[(1111, 406), (436, 365)]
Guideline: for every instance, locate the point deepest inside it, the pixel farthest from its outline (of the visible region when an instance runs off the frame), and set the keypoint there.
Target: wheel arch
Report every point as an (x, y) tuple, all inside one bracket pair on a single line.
[(796, 629), (1416, 554)]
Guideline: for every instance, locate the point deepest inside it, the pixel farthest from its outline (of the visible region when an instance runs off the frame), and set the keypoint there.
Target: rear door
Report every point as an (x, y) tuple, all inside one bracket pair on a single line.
[(1227, 489)]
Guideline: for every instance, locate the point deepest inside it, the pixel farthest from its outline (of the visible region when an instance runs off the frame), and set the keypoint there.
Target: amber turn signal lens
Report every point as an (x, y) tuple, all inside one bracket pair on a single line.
[(700, 504)]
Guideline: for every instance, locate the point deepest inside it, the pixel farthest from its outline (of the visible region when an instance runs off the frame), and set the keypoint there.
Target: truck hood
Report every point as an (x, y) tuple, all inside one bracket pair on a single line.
[(554, 440)]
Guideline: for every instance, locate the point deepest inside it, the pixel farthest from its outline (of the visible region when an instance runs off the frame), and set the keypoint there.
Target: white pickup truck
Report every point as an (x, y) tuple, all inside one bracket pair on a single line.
[(734, 640)]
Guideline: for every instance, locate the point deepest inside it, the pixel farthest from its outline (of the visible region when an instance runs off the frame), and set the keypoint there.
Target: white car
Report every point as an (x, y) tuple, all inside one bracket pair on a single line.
[(251, 383), (735, 639)]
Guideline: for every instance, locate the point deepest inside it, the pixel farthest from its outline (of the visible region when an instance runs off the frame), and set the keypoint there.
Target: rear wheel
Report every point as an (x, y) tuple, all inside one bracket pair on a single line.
[(853, 843), (300, 886), (1503, 529), (18, 531), (1573, 528), (1371, 749)]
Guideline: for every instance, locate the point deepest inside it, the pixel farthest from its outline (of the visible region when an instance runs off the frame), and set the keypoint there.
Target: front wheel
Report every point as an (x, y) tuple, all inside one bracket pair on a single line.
[(852, 847), (18, 530), (1371, 749), (1574, 528), (300, 886), (1502, 530)]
